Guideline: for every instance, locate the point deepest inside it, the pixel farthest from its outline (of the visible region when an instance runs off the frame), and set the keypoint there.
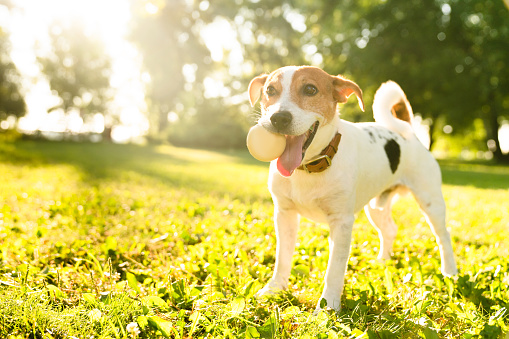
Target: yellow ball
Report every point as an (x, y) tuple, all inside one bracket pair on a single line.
[(264, 145)]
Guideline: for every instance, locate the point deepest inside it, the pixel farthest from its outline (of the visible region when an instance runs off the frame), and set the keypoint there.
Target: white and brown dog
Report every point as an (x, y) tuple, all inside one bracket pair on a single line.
[(332, 168)]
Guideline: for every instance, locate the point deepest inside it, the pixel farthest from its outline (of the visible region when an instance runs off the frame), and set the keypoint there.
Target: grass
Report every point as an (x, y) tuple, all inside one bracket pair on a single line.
[(124, 241)]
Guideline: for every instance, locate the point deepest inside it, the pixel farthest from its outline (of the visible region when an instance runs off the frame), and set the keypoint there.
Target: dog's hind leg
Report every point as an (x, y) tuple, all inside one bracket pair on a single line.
[(433, 207), (428, 193), (378, 212)]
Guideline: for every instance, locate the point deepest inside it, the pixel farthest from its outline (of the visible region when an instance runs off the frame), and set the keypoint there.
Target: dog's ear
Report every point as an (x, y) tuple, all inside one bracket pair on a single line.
[(255, 88), (343, 88)]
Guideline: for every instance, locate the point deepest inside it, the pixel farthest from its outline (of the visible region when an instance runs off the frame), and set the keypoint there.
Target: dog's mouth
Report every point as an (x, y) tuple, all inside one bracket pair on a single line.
[(296, 146)]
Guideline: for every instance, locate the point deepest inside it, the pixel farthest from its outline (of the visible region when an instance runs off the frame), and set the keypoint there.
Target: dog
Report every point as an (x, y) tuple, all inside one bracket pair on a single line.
[(331, 169)]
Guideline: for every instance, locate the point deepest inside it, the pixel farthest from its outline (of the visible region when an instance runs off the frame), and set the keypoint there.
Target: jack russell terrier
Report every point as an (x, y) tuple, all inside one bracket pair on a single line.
[(331, 168)]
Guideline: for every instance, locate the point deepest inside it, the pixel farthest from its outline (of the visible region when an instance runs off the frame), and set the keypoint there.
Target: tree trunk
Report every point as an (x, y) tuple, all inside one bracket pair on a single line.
[(493, 129), (431, 135), (432, 138), (162, 120)]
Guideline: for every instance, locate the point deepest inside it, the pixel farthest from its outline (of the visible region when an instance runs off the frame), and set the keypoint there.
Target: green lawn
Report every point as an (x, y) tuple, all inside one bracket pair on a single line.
[(105, 241)]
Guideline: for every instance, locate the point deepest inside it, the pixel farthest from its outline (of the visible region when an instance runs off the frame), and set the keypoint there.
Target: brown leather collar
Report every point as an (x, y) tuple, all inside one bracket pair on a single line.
[(324, 159)]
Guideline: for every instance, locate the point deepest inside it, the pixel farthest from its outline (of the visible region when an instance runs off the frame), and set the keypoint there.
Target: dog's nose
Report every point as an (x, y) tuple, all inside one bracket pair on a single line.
[(281, 120)]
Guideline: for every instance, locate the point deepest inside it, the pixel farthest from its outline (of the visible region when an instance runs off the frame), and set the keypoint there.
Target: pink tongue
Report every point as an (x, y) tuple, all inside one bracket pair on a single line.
[(292, 155)]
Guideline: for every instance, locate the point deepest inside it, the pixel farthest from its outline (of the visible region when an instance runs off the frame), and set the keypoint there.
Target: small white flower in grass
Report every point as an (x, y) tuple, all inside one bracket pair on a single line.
[(95, 315), (115, 276), (133, 329), (423, 321), (429, 282)]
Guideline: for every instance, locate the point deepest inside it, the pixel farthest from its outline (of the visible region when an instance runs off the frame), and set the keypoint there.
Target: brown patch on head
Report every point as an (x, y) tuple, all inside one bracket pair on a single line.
[(331, 90), (323, 101), (401, 111)]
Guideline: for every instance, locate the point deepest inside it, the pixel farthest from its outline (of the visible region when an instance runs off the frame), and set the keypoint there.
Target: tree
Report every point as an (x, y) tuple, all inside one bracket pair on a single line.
[(168, 38), (173, 43), (78, 70), (12, 102), (449, 56), (485, 29), (398, 40)]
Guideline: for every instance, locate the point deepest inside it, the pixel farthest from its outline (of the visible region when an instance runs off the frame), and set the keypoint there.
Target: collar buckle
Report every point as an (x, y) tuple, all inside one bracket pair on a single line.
[(316, 159)]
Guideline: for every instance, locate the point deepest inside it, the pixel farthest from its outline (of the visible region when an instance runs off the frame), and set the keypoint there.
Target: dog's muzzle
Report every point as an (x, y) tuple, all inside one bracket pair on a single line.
[(281, 120)]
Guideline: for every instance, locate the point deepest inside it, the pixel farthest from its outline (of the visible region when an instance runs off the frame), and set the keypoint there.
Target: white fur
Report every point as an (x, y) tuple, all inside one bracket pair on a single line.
[(359, 173), (387, 96)]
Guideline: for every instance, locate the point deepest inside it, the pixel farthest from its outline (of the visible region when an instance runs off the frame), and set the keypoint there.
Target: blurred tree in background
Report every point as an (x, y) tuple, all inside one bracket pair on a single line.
[(12, 102), (78, 71), (398, 40), (169, 41), (484, 26), (182, 63)]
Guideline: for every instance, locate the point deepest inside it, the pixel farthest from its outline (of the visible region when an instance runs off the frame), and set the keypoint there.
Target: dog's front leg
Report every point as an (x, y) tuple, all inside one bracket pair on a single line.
[(340, 238), (287, 224)]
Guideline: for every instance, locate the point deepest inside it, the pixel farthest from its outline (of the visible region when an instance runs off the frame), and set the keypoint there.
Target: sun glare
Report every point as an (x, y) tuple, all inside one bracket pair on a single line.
[(151, 8), (29, 26)]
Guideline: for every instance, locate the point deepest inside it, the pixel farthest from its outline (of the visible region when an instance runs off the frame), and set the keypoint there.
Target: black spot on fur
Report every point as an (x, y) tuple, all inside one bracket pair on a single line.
[(393, 154), (371, 137)]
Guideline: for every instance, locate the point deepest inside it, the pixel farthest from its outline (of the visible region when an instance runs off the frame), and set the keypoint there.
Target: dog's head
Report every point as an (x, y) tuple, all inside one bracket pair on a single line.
[(297, 102)]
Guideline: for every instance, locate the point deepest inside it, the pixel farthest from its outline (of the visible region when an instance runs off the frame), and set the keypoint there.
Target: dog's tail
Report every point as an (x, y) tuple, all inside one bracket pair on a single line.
[(392, 109)]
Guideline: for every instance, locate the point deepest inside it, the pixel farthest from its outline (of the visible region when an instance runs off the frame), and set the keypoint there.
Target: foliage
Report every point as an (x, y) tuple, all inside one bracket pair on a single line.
[(12, 101), (449, 56), (168, 41), (78, 70), (213, 125), (485, 27), (124, 241), (176, 54)]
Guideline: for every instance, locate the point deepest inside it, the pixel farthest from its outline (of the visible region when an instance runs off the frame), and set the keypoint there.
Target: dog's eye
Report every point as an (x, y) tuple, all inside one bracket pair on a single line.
[(310, 90), (271, 91)]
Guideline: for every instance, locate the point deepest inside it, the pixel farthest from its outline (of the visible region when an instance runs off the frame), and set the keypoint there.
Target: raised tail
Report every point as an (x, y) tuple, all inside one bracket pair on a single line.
[(392, 109)]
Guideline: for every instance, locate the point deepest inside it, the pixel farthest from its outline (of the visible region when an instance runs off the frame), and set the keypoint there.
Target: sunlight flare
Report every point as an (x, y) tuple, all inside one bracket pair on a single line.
[(106, 20)]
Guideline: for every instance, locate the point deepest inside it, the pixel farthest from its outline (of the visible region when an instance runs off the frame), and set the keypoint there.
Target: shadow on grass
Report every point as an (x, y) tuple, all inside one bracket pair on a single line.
[(199, 170), (170, 165), (98, 161)]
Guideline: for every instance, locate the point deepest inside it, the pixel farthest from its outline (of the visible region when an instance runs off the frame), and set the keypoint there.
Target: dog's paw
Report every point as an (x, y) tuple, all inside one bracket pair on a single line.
[(383, 257), (327, 304), (271, 288), (449, 271), (448, 267)]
